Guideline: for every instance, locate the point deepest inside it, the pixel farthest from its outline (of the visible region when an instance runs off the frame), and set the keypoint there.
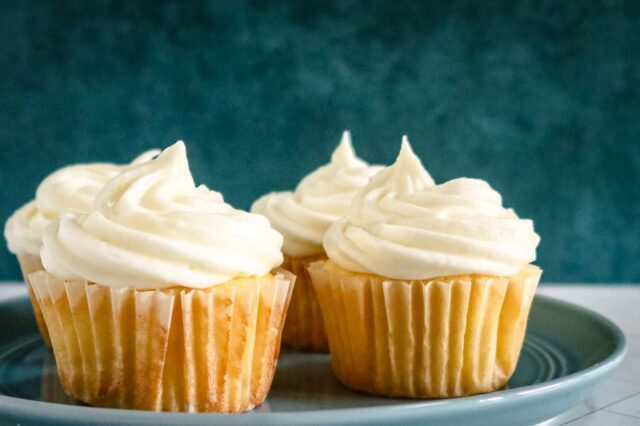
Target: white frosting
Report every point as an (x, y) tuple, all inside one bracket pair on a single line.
[(23, 230), (321, 198), (71, 189), (402, 226), (151, 227)]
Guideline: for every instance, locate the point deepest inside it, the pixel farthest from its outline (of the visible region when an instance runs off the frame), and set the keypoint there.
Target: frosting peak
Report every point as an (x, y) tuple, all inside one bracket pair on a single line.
[(407, 174), (155, 186), (321, 198), (151, 227), (403, 226), (344, 156)]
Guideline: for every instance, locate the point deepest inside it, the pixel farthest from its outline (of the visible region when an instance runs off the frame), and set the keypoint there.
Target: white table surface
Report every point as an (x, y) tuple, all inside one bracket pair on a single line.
[(617, 400)]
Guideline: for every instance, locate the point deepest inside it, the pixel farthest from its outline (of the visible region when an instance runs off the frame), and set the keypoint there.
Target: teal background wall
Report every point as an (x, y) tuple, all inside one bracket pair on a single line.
[(540, 98)]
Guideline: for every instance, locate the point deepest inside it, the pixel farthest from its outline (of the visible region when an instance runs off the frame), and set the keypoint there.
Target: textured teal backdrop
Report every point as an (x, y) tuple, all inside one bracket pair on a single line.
[(540, 98)]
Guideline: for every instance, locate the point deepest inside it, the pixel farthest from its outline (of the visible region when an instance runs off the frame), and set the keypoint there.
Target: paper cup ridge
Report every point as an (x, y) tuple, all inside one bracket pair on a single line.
[(211, 350), (436, 338), (29, 264), (304, 328)]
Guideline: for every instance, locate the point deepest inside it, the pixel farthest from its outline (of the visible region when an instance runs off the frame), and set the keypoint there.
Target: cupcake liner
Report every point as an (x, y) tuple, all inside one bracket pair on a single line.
[(436, 338), (196, 350), (28, 264), (50, 387), (304, 328)]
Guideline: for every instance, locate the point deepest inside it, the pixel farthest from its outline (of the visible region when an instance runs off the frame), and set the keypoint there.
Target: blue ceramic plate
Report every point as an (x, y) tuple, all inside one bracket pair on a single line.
[(568, 351)]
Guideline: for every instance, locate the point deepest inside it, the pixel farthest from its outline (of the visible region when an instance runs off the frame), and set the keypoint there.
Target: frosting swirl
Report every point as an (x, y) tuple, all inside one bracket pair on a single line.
[(321, 198), (70, 189), (23, 230), (403, 226), (151, 227)]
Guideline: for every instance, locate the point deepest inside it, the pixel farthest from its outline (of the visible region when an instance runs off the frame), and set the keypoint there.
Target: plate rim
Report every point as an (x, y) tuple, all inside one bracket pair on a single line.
[(595, 373)]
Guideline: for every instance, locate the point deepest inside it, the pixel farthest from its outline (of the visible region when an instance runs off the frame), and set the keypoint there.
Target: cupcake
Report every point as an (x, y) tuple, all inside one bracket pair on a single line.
[(164, 297), (68, 190), (427, 289), (303, 216)]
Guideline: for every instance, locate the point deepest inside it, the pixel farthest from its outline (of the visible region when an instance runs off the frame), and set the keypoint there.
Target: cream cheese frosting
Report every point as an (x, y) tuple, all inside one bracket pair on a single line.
[(402, 226), (322, 197), (70, 189), (151, 227), (23, 230)]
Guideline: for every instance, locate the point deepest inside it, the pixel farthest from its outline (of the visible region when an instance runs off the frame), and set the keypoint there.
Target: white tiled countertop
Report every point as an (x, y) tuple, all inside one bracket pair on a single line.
[(617, 400)]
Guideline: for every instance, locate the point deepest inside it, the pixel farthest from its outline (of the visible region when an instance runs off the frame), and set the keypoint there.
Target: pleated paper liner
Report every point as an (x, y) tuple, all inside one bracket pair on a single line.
[(304, 328), (437, 338), (28, 264), (50, 387), (210, 350)]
